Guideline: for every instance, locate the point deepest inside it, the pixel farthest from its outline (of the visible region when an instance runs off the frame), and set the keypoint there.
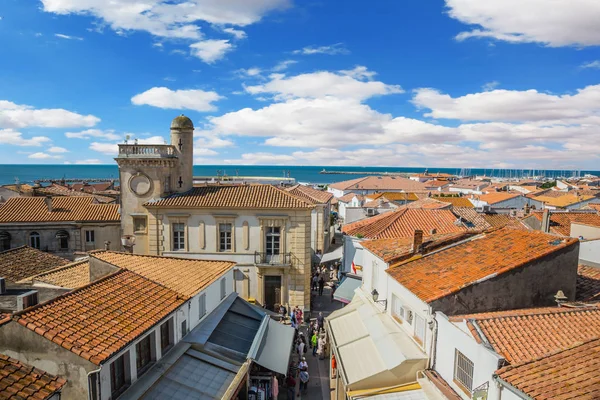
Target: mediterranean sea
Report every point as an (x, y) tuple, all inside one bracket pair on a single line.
[(27, 173)]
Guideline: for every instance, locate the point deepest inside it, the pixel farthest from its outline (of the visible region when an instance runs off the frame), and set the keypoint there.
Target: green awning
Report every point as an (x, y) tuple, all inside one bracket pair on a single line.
[(345, 291)]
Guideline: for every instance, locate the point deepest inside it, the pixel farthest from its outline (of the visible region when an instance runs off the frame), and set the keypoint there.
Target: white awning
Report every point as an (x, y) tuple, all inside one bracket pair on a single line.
[(333, 255), (372, 351)]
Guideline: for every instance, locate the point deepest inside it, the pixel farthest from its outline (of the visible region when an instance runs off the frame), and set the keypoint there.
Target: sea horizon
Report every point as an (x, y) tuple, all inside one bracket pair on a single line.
[(29, 173)]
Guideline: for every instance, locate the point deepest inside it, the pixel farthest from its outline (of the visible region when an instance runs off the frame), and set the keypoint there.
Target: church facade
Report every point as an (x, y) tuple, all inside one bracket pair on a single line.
[(265, 230)]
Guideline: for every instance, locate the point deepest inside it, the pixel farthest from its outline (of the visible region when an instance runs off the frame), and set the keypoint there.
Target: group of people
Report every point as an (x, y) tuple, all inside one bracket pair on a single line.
[(296, 316)]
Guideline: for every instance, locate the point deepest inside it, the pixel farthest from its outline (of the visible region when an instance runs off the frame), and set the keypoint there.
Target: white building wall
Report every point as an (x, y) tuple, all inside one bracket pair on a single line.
[(353, 251), (374, 280), (589, 251), (485, 361)]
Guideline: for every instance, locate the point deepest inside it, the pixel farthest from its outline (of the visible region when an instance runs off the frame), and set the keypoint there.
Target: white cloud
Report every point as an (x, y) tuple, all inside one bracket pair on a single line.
[(62, 36), (22, 116), (249, 72), (203, 152), (337, 48), (511, 105), (112, 149), (558, 23), (94, 133), (591, 64), (43, 156), (210, 51), (9, 136), (283, 65), (489, 86), (324, 83), (88, 161), (56, 149), (236, 33), (192, 99)]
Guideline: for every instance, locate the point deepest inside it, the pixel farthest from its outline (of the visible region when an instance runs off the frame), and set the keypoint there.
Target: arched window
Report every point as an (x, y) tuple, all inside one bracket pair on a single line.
[(34, 240), (63, 240), (4, 241)]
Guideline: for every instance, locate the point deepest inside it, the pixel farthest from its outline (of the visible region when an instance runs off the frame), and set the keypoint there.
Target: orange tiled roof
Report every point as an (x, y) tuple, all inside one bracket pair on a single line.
[(594, 206), (184, 276), (59, 190), (571, 373), (428, 203), (23, 262), (382, 183), (64, 209), (98, 320), (314, 196), (403, 222), (560, 222), (392, 250), (348, 197), (588, 283), (232, 196), (394, 196), (449, 270), (20, 381), (69, 276), (563, 201), (471, 218), (456, 201), (497, 197), (436, 183), (501, 220), (470, 184), (521, 335)]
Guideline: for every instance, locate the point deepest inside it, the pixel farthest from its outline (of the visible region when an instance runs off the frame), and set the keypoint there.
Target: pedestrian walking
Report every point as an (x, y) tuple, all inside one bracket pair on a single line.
[(321, 285), (304, 378), (300, 348), (315, 281), (320, 321), (333, 287), (299, 316), (321, 347), (290, 382), (314, 342), (303, 365), (333, 366)]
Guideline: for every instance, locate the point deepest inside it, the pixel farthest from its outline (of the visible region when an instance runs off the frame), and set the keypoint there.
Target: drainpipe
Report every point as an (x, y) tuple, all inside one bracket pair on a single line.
[(433, 348), (94, 372)]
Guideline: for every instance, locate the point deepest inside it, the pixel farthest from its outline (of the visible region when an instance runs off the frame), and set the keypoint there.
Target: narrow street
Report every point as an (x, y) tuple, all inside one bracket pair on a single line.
[(318, 386)]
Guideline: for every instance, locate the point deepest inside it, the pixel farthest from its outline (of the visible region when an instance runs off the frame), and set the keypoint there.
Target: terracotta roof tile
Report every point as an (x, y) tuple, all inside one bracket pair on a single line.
[(69, 276), (449, 270), (314, 196), (184, 276), (456, 201), (98, 320), (20, 381), (59, 190), (394, 196), (23, 262), (497, 220), (4, 318), (594, 206), (394, 250), (564, 200), (348, 197), (64, 209), (403, 222), (497, 197), (470, 184), (571, 373), (471, 218), (382, 183), (588, 283), (232, 196), (521, 335), (428, 203), (436, 183), (560, 222)]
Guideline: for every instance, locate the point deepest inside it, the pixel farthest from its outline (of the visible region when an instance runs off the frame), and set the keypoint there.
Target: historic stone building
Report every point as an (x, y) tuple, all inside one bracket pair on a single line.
[(264, 229)]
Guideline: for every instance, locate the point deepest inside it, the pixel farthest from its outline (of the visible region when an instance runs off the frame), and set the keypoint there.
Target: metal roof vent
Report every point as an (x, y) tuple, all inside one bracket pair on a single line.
[(560, 298)]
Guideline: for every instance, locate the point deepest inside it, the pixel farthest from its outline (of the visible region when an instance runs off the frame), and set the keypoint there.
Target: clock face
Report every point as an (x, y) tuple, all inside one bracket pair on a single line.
[(140, 184)]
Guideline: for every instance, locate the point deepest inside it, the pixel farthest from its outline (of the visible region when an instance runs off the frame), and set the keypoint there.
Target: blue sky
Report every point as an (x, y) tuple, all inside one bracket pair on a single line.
[(455, 83)]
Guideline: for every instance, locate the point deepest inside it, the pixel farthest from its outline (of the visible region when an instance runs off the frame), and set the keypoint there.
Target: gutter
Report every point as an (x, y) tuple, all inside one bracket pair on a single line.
[(510, 387), (94, 372)]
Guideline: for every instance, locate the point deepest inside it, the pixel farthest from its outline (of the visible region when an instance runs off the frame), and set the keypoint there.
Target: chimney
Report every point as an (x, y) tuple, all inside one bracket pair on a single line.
[(417, 241), (526, 209), (107, 245), (48, 201), (545, 221)]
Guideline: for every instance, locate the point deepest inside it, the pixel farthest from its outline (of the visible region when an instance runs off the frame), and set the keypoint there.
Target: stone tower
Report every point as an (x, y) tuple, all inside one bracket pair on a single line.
[(152, 171), (182, 138)]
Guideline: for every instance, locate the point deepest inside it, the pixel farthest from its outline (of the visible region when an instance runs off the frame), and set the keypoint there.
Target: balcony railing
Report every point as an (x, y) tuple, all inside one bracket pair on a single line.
[(146, 150), (283, 259)]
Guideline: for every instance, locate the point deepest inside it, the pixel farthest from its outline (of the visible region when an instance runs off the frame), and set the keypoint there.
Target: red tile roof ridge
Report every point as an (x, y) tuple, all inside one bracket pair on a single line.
[(522, 312), (550, 354), (92, 252)]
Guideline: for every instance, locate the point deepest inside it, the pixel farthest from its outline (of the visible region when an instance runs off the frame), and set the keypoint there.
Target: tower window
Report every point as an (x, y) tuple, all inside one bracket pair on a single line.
[(139, 224), (225, 237), (178, 236)]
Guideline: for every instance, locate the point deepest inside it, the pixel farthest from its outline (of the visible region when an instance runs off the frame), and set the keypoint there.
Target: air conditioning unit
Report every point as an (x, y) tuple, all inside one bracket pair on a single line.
[(27, 299), (2, 286)]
